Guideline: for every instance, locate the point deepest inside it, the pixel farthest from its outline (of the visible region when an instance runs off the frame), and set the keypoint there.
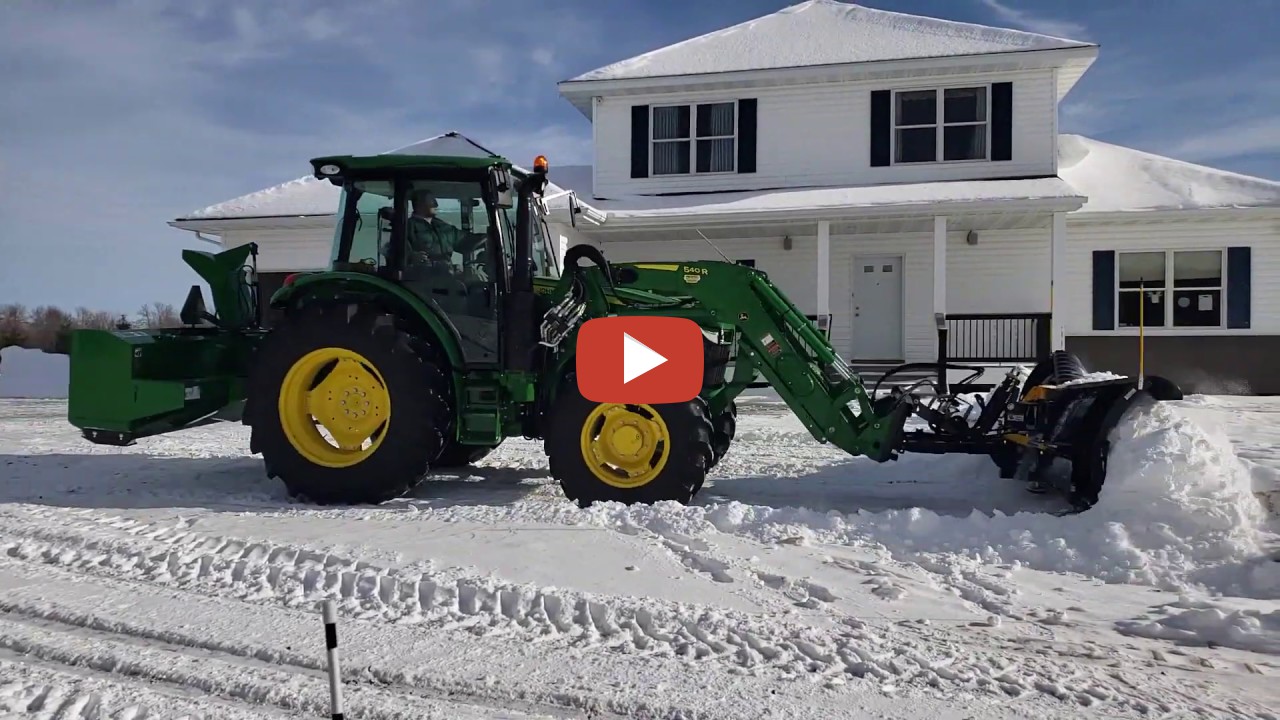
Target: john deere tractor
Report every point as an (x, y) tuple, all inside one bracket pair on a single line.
[(445, 324)]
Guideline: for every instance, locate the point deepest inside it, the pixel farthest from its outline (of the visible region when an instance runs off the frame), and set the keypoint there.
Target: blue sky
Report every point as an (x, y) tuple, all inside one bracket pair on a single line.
[(120, 115)]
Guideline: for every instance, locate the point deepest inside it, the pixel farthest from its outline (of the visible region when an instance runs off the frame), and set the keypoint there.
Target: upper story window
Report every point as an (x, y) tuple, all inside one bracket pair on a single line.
[(941, 125), (708, 144)]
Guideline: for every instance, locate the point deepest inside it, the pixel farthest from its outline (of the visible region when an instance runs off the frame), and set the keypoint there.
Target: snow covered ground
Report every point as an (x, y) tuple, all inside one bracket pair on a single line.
[(172, 579)]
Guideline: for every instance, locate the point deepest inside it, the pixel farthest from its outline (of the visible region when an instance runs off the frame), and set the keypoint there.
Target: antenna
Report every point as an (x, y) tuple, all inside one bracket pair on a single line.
[(713, 246)]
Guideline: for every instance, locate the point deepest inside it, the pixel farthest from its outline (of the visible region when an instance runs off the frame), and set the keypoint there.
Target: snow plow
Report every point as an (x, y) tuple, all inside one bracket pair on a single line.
[(399, 360)]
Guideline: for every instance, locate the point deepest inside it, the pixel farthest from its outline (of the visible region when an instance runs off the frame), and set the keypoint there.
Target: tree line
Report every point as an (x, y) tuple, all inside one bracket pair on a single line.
[(48, 328)]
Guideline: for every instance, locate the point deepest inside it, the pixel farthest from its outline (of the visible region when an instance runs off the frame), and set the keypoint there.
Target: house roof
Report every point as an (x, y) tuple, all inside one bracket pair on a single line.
[(824, 32), (1121, 179), (308, 196)]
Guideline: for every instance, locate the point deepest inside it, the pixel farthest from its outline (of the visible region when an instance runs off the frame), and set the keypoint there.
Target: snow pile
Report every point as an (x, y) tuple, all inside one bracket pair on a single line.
[(1116, 178), (1182, 503), (1208, 623), (28, 373)]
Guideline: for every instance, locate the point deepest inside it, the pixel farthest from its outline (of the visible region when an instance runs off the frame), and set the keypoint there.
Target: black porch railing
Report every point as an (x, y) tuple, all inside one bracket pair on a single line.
[(997, 337)]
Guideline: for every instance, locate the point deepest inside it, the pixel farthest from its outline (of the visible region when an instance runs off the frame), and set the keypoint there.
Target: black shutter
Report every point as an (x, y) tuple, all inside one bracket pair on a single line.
[(1104, 290), (881, 120), (1239, 284), (639, 141), (747, 135), (1002, 121)]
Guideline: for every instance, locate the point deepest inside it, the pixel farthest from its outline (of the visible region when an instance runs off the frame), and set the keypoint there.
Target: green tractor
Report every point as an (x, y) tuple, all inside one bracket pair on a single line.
[(424, 345)]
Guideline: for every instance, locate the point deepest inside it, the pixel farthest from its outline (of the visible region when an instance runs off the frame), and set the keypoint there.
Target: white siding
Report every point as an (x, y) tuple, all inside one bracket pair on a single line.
[(1006, 272), (1085, 237), (820, 135), (286, 250), (564, 237), (793, 270)]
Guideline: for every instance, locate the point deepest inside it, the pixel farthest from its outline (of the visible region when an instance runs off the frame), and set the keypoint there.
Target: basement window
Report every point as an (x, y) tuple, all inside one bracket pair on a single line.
[(708, 144), (1179, 288), (941, 125)]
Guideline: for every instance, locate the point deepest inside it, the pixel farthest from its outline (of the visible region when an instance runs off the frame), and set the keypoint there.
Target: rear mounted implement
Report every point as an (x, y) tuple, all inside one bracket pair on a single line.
[(129, 384)]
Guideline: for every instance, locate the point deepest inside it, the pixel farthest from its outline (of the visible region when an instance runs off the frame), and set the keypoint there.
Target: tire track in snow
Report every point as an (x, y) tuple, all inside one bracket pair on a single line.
[(173, 555), (229, 679), (41, 692)]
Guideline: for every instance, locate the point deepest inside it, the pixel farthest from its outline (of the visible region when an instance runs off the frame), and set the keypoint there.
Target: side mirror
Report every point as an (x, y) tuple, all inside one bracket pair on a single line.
[(502, 188)]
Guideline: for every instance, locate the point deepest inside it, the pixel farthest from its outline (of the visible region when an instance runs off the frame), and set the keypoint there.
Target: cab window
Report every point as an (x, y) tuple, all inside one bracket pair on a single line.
[(546, 261)]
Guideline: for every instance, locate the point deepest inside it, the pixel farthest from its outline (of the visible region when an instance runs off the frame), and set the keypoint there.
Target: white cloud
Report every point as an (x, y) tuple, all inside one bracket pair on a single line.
[(119, 116), (1032, 22), (1249, 137)]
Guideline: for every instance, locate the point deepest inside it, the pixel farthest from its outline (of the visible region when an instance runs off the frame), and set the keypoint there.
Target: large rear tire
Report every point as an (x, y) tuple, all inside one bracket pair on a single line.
[(357, 377), (601, 452)]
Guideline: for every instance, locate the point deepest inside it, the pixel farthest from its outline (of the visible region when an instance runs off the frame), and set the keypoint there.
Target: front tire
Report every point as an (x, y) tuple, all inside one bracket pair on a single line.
[(601, 452), (357, 378), (724, 428)]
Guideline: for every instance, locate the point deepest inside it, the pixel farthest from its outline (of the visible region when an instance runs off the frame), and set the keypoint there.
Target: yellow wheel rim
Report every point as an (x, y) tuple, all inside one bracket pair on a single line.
[(341, 392), (626, 446)]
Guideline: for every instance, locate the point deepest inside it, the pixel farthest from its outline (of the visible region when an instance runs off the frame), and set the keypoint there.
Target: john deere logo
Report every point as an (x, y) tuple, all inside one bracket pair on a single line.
[(692, 279)]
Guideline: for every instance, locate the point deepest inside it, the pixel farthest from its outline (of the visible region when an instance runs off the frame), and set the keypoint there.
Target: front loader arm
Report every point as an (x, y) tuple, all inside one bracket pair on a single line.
[(778, 341)]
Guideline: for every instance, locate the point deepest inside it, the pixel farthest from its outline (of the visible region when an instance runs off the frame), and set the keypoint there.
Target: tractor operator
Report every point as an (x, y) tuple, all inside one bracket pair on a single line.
[(433, 238)]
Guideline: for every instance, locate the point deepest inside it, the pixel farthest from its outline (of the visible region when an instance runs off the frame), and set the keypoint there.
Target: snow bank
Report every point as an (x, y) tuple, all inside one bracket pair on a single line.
[(1208, 623), (1177, 512), (27, 373)]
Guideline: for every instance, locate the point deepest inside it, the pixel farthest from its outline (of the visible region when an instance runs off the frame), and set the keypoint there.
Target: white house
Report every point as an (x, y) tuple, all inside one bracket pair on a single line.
[(894, 174)]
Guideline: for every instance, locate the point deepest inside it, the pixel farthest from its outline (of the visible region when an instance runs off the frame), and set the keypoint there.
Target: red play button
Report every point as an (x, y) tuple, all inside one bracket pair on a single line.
[(639, 360)]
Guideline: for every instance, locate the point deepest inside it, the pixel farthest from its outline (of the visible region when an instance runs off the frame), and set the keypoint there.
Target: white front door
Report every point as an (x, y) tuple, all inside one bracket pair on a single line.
[(877, 307)]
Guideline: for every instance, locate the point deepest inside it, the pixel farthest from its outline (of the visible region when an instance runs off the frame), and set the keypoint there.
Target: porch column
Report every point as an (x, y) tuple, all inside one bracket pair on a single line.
[(823, 305), (940, 265), (1057, 283)]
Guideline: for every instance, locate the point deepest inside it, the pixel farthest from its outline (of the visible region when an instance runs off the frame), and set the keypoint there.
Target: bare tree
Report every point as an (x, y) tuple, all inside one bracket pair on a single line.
[(95, 319), (158, 315), (49, 328), (13, 325)]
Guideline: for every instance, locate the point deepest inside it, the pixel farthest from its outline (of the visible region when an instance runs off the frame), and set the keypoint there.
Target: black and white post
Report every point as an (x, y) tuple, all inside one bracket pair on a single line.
[(331, 645)]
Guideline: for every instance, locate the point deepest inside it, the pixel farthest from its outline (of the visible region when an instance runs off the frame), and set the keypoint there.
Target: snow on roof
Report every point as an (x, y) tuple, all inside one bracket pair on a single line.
[(309, 196), (824, 32), (1121, 179), (833, 198)]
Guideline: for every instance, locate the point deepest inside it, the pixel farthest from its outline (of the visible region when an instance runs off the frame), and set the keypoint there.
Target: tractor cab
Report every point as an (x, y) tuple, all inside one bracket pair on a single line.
[(447, 229)]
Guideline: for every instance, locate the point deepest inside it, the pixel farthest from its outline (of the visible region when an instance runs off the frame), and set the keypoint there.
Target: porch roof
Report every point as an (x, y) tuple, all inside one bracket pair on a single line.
[(1050, 194)]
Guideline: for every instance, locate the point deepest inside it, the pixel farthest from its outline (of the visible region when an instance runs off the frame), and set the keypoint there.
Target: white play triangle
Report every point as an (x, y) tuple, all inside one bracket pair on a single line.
[(637, 358)]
